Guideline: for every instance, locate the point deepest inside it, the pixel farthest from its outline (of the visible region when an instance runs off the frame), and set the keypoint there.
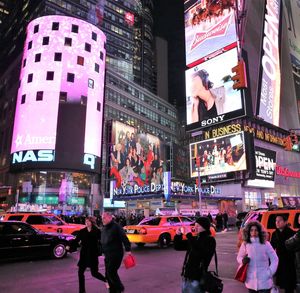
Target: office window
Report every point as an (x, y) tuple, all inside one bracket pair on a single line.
[(57, 56), (98, 106), (36, 29), (104, 46), (68, 42), (50, 75), (23, 99), (55, 26), (94, 36), (74, 28), (45, 40), (70, 77), (39, 96), (63, 97), (83, 100), (30, 78), (91, 83), (24, 62), (80, 60), (37, 57), (87, 47), (97, 67), (29, 45), (101, 55)]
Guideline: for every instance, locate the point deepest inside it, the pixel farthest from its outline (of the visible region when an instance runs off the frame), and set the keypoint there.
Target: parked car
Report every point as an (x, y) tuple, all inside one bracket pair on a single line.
[(20, 240), (158, 229), (44, 222)]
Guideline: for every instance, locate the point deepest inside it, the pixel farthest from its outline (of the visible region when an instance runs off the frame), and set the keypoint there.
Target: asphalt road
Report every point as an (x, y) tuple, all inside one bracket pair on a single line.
[(157, 270)]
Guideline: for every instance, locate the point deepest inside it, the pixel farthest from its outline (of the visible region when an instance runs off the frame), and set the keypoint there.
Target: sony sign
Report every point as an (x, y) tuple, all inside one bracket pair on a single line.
[(33, 156)]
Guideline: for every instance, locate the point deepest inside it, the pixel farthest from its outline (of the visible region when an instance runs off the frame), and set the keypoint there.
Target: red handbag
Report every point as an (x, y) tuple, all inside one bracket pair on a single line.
[(129, 261), (241, 273)]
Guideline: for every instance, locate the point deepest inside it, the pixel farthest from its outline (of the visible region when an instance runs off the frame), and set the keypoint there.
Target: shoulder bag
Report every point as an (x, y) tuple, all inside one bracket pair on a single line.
[(241, 273)]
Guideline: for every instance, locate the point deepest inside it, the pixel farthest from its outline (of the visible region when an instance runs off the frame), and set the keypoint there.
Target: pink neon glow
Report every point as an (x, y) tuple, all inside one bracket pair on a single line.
[(36, 121)]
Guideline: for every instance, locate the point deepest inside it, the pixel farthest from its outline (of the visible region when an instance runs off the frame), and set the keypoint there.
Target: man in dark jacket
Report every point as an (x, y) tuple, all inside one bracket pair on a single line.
[(293, 244), (286, 273), (113, 238), (200, 250)]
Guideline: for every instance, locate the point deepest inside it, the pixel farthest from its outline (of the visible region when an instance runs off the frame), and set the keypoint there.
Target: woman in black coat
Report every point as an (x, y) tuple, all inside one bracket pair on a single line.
[(200, 250), (89, 239)]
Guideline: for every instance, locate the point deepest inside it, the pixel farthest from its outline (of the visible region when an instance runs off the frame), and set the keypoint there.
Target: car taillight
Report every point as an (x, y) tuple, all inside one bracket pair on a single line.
[(143, 231)]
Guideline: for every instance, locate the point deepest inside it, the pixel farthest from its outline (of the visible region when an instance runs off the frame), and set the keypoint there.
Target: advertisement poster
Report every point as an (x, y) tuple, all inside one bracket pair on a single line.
[(137, 161), (209, 26), (269, 97), (220, 155), (210, 98)]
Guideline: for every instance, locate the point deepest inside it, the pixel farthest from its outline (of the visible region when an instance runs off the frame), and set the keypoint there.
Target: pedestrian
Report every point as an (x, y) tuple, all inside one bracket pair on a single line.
[(199, 252), (209, 216), (219, 222), (261, 257), (293, 244), (225, 220), (89, 239), (113, 238), (286, 272)]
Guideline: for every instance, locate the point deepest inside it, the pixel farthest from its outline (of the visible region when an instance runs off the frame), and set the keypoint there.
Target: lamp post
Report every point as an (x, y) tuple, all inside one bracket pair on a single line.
[(199, 184)]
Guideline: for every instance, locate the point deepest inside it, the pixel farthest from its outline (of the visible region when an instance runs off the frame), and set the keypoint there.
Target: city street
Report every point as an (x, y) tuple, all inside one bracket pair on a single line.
[(157, 270)]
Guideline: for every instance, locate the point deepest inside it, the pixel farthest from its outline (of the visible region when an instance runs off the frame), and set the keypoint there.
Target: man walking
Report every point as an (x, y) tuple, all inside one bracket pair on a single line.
[(113, 238)]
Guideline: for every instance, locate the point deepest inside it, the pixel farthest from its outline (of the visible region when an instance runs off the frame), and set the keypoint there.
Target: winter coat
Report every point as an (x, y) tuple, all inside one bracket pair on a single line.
[(293, 244), (286, 272), (90, 244), (200, 250), (262, 266), (113, 238)]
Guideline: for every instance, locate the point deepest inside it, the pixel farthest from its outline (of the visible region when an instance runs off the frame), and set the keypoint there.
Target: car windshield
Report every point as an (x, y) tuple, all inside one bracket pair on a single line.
[(54, 220), (150, 221), (255, 216)]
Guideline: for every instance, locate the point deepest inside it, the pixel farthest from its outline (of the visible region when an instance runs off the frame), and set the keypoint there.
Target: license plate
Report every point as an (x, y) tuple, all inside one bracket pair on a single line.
[(130, 231)]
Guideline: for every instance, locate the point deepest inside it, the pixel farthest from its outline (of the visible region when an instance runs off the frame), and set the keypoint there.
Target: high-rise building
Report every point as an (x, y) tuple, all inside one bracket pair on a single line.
[(129, 89)]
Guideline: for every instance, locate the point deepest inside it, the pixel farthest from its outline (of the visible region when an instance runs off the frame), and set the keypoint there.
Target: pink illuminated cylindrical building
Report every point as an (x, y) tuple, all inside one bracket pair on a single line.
[(59, 111)]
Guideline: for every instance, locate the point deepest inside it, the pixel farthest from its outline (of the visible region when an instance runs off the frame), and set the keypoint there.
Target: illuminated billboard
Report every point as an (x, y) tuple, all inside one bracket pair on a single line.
[(59, 110), (137, 161), (265, 168), (210, 98), (219, 155), (269, 95), (209, 26)]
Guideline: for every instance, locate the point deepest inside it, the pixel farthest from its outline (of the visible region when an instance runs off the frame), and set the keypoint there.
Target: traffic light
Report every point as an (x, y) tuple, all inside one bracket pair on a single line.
[(240, 77)]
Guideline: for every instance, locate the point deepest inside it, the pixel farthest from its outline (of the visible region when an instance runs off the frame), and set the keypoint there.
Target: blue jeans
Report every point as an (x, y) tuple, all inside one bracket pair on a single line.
[(191, 286)]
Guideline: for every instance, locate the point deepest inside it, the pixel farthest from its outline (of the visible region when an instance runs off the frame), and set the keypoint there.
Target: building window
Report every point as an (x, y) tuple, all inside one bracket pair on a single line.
[(45, 40), (104, 46), (98, 106), (70, 77), (36, 29), (30, 78), (80, 60), (37, 57), (101, 55), (24, 62), (39, 96), (23, 99), (50, 75), (96, 67), (83, 100), (87, 47), (74, 28), (63, 97), (91, 83), (55, 26), (57, 56), (68, 42), (29, 45), (94, 36)]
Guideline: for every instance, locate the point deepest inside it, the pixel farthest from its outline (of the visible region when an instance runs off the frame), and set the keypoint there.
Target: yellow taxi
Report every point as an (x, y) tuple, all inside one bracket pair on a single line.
[(44, 222), (159, 229)]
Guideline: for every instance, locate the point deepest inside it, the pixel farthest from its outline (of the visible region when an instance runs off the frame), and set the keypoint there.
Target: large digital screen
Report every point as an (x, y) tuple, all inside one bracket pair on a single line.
[(209, 26), (137, 161), (59, 110), (269, 96), (210, 98), (219, 155)]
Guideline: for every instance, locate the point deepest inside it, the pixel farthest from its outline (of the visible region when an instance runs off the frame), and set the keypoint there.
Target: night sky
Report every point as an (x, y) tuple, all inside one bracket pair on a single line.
[(169, 24)]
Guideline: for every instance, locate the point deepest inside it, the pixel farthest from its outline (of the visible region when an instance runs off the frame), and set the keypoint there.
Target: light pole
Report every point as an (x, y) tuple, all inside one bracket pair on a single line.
[(199, 184)]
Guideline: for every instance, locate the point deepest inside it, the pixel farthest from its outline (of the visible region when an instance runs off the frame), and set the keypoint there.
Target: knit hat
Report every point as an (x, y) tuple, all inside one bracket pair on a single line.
[(204, 223)]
